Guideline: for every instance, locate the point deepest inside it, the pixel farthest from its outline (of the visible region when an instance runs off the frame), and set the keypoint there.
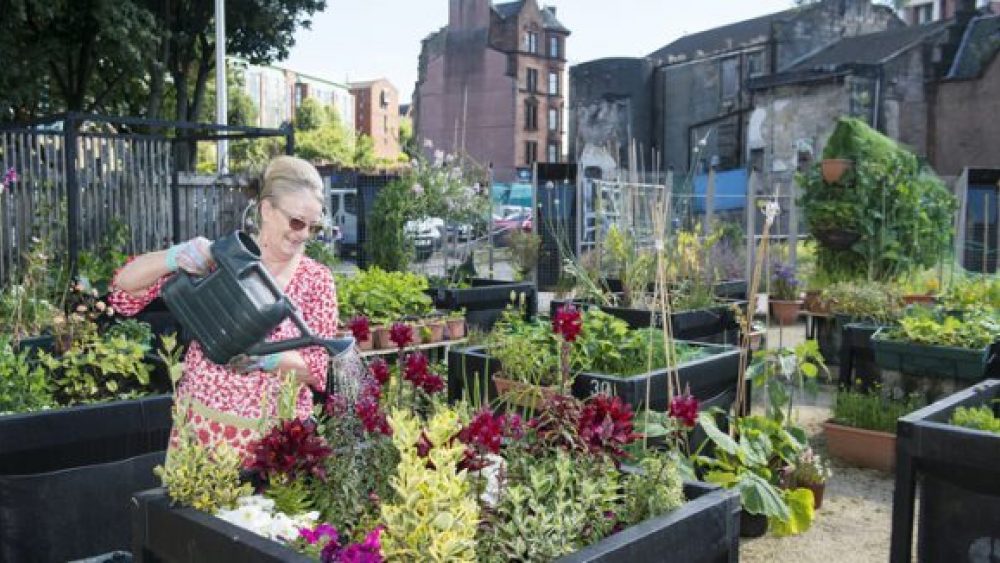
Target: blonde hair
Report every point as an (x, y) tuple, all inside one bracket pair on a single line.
[(287, 175)]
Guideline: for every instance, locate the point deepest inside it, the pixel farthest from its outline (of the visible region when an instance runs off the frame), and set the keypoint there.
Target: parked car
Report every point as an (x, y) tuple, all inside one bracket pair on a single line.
[(503, 226), (426, 235)]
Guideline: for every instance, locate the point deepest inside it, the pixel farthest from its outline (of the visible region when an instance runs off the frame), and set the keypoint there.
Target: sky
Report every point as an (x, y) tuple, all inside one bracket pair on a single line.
[(354, 40)]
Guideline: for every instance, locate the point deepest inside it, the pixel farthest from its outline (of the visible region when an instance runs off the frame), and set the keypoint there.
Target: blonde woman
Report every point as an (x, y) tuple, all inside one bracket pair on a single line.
[(225, 401)]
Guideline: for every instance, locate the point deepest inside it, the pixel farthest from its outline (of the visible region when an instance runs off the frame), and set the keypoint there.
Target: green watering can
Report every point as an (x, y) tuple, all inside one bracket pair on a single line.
[(231, 310)]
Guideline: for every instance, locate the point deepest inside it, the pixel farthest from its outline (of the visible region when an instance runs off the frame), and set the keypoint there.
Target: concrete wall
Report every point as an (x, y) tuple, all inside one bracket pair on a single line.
[(827, 23), (966, 133), (610, 106)]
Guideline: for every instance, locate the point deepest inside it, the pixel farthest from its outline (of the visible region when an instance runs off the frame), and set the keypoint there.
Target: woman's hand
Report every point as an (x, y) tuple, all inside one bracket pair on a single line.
[(282, 362), (193, 256)]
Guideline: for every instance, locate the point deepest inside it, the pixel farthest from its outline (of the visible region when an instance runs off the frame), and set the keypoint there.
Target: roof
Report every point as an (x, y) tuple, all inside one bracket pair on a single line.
[(549, 20), (872, 48), (723, 38), (979, 45)]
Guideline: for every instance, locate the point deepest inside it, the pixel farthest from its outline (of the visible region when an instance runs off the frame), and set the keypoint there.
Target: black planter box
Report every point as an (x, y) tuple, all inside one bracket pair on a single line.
[(715, 325), (731, 289), (486, 300), (706, 529), (856, 351), (66, 476), (932, 361), (958, 472), (708, 377)]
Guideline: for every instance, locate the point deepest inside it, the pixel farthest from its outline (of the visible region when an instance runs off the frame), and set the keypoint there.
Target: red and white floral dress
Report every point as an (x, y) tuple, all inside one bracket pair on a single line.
[(224, 405)]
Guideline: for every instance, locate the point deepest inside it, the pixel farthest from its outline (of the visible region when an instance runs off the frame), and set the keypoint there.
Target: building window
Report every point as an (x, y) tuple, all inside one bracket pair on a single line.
[(923, 13), (554, 46), (532, 79), (531, 42), (553, 119), (530, 152), (755, 64), (384, 99), (553, 83), (530, 115), (730, 78), (553, 152)]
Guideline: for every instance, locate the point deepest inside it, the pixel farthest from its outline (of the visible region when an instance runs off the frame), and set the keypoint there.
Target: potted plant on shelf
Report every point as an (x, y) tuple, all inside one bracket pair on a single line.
[(834, 169), (811, 471), (784, 295), (862, 429), (384, 298)]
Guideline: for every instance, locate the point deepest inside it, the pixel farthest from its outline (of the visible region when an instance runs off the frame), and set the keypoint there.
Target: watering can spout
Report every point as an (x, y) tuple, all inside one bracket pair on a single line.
[(233, 309)]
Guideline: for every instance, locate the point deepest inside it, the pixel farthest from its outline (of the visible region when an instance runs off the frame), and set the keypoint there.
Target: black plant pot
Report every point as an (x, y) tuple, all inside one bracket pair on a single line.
[(752, 525), (837, 239)]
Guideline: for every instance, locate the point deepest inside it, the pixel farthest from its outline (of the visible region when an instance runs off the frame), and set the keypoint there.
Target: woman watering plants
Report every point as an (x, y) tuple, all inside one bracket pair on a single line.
[(224, 401)]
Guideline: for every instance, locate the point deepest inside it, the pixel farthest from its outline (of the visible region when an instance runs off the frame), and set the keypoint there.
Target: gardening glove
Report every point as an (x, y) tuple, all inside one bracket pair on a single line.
[(246, 364), (193, 256)]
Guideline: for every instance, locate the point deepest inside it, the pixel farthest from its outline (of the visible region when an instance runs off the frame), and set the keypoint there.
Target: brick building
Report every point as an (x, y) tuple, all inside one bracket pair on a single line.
[(276, 92), (376, 114), (491, 85)]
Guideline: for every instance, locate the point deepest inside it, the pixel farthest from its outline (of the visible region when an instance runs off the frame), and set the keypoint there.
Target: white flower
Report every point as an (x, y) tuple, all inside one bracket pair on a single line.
[(494, 467), (415, 163), (449, 158), (438, 157), (282, 527), (249, 517), (549, 185), (417, 189), (772, 209), (477, 187), (259, 501), (429, 144)]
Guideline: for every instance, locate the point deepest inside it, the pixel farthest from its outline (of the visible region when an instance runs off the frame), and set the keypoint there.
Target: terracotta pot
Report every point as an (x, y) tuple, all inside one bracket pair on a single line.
[(860, 447), (456, 328), (523, 394), (834, 168), (366, 344), (818, 490), (434, 332), (786, 312), (918, 299), (813, 301), (380, 334)]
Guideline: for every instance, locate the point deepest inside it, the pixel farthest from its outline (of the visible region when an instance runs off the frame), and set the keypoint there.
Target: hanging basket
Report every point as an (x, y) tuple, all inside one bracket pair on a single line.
[(837, 239), (834, 168)]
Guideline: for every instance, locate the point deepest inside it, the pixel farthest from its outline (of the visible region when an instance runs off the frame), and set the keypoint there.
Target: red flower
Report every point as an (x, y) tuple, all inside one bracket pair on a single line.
[(379, 369), (567, 322), (367, 409), (432, 384), (484, 430), (359, 328), (401, 334), (292, 449), (415, 368), (684, 408), (424, 445), (605, 425)]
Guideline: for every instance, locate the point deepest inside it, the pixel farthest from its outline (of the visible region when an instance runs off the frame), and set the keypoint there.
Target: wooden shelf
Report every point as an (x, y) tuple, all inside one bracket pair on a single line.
[(433, 345)]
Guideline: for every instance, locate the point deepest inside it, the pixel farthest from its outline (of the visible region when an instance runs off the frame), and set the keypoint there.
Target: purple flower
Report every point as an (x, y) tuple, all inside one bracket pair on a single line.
[(10, 176)]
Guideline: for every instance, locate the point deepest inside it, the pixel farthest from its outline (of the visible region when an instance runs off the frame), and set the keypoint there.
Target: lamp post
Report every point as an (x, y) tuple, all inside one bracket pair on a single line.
[(221, 94)]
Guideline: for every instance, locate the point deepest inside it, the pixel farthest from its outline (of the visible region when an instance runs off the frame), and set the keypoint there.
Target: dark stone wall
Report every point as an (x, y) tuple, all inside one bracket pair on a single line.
[(965, 127), (827, 23), (611, 106)]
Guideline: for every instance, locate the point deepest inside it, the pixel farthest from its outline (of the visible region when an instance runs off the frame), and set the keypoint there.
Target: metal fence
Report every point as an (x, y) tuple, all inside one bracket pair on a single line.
[(78, 172)]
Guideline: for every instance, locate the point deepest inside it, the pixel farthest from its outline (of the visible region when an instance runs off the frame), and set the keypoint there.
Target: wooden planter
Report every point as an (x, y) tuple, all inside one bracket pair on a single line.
[(705, 528), (919, 299), (860, 447), (834, 168), (785, 312), (957, 471)]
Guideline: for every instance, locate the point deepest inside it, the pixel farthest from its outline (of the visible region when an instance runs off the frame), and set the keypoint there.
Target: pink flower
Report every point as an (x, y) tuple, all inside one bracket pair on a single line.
[(567, 322), (401, 334), (379, 369), (10, 177), (359, 328), (684, 408)]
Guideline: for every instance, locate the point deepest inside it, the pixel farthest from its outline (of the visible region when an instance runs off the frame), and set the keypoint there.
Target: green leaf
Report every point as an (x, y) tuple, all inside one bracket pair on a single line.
[(760, 497), (801, 513), (718, 437)]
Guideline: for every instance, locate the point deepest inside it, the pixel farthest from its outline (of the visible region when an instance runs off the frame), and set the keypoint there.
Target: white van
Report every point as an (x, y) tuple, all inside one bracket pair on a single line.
[(344, 215)]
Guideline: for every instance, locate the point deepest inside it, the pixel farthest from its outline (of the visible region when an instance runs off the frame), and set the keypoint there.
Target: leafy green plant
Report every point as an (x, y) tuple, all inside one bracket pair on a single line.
[(874, 302), (554, 505), (982, 418), (96, 267), (23, 382), (133, 330), (98, 369), (384, 297), (972, 292), (656, 489), (322, 252), (524, 249), (783, 370), (922, 326), (29, 306), (872, 410)]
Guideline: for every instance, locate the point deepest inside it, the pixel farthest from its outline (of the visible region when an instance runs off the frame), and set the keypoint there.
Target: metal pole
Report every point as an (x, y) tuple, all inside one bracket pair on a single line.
[(72, 194), (221, 93), (489, 217)]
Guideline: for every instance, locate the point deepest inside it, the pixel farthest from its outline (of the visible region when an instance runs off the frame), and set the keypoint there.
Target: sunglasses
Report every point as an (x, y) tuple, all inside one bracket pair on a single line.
[(297, 224)]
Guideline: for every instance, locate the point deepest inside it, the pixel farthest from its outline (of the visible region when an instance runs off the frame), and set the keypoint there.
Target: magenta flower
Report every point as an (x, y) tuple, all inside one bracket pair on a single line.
[(415, 368), (10, 177), (293, 449), (432, 384), (401, 334), (359, 328), (369, 413), (321, 531), (567, 322), (605, 425), (379, 369), (684, 408), (336, 405)]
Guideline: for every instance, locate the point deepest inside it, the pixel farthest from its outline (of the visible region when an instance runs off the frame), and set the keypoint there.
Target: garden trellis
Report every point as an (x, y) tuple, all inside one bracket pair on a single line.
[(77, 172)]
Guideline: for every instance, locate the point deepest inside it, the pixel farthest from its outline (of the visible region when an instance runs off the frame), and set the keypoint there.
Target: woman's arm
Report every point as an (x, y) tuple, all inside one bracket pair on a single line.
[(136, 277)]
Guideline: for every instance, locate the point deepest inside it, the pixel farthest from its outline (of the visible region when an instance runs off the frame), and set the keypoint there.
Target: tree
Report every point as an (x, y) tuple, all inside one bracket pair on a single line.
[(309, 115), (328, 142), (76, 55)]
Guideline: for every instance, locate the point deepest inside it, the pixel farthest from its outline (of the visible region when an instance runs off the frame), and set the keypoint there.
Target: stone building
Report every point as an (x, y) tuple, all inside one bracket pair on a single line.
[(917, 12), (698, 86), (490, 85), (376, 114)]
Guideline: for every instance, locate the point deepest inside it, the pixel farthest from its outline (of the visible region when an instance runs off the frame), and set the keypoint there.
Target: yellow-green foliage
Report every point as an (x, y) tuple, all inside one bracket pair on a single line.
[(434, 516), (658, 489), (206, 479)]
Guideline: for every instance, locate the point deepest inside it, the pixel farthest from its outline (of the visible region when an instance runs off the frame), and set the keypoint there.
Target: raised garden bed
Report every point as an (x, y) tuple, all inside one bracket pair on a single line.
[(716, 325), (67, 474), (706, 528), (932, 361), (856, 351), (486, 300), (708, 377), (957, 470)]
